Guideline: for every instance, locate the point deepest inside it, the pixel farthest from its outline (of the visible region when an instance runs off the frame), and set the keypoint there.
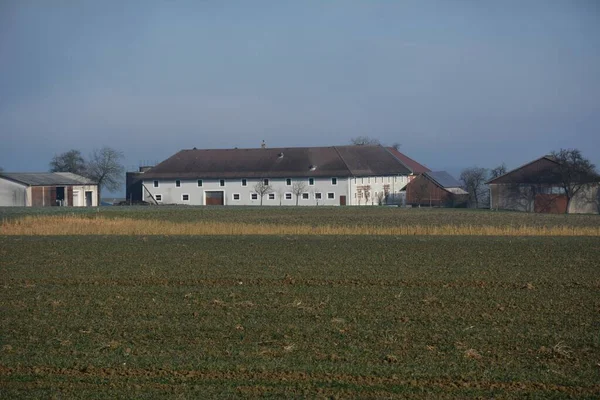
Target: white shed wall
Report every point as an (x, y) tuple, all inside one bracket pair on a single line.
[(13, 194)]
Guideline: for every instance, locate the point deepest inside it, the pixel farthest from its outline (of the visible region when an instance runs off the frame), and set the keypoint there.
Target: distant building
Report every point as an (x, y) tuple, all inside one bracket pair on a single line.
[(47, 189), (337, 175), (535, 187), (435, 189)]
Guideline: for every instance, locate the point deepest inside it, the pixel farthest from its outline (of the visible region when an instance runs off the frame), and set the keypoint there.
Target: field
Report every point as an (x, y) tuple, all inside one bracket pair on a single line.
[(342, 316)]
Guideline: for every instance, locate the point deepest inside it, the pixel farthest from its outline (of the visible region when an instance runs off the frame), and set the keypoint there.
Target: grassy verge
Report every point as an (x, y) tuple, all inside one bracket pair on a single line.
[(78, 225), (316, 216), (420, 317)]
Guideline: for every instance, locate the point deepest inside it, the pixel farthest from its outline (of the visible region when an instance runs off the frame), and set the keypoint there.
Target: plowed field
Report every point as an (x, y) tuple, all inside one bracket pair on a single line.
[(299, 316)]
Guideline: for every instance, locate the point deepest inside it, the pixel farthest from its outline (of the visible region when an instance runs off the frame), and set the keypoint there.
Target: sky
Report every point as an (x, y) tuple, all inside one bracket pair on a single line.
[(457, 83)]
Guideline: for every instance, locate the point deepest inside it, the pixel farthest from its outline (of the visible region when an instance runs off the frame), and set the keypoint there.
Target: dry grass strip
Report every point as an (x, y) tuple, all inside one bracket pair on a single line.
[(76, 225)]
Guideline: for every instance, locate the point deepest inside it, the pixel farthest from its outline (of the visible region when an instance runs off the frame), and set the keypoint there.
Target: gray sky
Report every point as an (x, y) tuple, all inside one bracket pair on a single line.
[(457, 83)]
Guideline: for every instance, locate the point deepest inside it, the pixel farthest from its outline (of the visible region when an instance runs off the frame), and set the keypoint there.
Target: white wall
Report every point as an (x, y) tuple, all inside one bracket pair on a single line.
[(79, 200), (12, 194), (171, 194), (376, 184)]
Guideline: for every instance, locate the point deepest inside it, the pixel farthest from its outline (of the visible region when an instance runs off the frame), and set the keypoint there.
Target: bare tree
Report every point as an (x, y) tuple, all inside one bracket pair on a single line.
[(105, 168), (396, 146), (574, 172), (298, 188), (498, 171), (364, 141), (262, 189), (70, 161), (473, 180)]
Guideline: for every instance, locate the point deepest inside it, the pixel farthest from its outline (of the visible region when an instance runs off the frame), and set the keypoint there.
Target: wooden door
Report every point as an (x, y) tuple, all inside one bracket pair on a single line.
[(214, 198), (342, 200)]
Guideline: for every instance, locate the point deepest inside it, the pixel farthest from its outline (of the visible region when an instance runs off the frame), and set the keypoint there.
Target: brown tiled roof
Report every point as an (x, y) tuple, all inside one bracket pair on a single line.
[(543, 170), (411, 164), (340, 161)]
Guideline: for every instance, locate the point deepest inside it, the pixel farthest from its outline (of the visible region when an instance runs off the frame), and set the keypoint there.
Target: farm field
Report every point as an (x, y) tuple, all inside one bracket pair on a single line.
[(301, 315)]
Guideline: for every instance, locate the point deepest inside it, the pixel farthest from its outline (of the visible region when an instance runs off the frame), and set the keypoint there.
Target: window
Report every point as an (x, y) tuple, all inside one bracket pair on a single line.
[(236, 196), (334, 181), (266, 182), (304, 196), (288, 182), (254, 196), (288, 196), (222, 182), (318, 196), (244, 182), (178, 183), (199, 182), (185, 197), (271, 196), (362, 180), (331, 195), (311, 181), (158, 197), (155, 183)]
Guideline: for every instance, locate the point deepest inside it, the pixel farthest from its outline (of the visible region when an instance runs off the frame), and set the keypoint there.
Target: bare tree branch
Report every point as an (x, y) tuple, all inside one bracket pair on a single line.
[(298, 188), (364, 141), (473, 180), (105, 168), (262, 189)]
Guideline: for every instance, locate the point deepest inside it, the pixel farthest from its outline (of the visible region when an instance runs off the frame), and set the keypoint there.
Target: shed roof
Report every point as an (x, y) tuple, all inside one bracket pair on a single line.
[(47, 178), (544, 170), (443, 179), (280, 162)]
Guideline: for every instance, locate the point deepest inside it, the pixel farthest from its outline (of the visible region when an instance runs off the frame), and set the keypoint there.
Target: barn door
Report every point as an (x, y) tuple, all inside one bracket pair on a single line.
[(214, 198)]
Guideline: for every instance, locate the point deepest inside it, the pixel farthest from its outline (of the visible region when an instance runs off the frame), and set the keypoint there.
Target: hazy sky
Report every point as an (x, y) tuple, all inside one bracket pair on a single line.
[(457, 83)]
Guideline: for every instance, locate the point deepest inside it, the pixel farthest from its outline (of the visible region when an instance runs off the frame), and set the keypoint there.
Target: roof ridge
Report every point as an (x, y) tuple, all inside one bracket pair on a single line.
[(547, 157), (344, 161), (399, 160)]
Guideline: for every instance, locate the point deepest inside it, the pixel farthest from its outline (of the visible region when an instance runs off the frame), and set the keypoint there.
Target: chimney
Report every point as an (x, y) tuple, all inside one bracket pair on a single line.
[(263, 145)]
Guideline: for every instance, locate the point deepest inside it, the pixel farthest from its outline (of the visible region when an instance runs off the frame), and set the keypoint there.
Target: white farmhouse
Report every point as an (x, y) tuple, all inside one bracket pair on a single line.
[(337, 175)]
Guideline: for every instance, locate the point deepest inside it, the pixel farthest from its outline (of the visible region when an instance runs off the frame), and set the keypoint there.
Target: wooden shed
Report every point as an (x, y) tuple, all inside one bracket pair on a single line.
[(435, 189)]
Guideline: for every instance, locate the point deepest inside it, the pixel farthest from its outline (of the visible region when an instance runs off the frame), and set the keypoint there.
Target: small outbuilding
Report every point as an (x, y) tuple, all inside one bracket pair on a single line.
[(435, 189), (47, 189), (536, 187)]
